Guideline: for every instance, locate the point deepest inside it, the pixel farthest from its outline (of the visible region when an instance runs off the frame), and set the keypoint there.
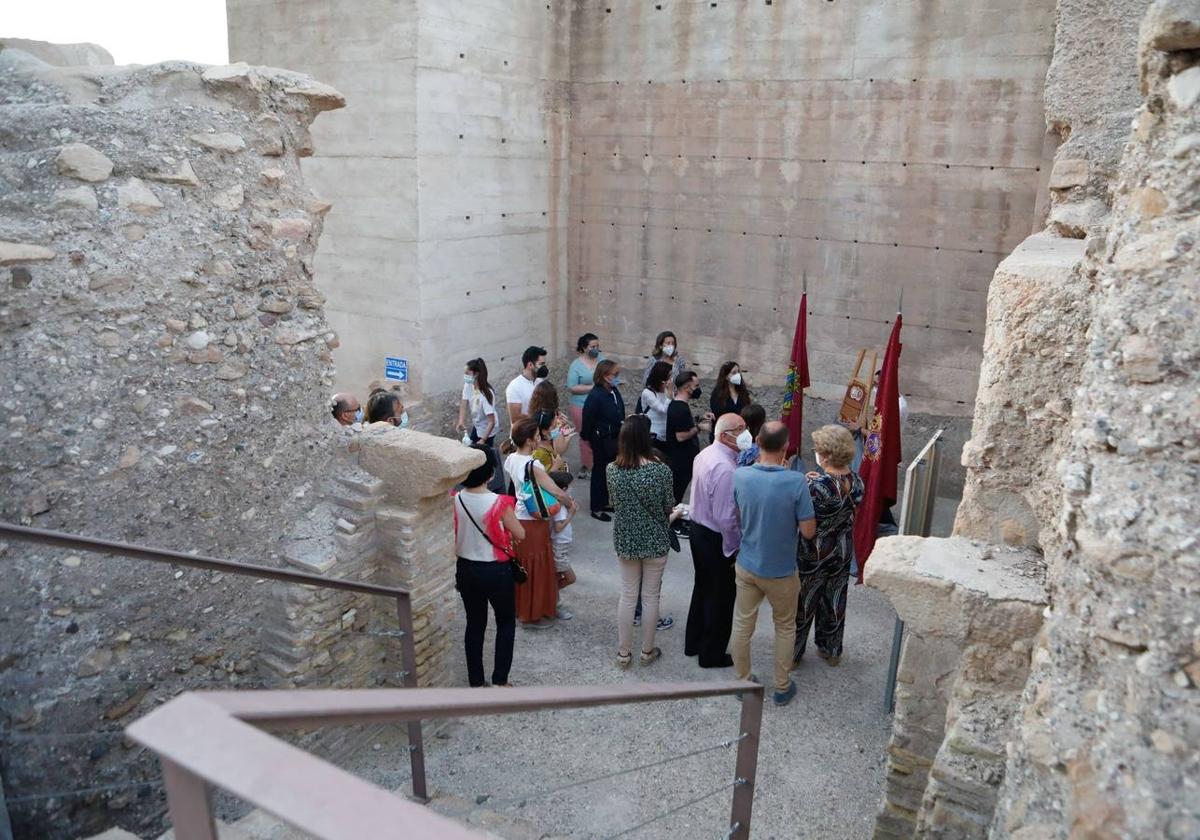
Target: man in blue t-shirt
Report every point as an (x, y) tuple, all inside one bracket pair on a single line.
[(774, 509)]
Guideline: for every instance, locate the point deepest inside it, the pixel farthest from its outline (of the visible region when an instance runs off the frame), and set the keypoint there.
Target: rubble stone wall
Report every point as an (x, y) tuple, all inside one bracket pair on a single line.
[(167, 365), (1109, 744)]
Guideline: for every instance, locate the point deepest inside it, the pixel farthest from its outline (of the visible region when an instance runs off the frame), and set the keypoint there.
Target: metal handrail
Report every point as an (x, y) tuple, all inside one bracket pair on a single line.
[(59, 539), (213, 739)]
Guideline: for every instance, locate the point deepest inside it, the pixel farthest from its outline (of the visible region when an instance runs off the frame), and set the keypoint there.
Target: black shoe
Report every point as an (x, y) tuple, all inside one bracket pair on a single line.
[(601, 515), (725, 661)]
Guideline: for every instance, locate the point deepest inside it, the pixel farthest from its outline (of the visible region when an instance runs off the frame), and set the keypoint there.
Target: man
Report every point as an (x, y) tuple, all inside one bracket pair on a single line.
[(519, 391), (386, 407), (682, 443), (346, 409), (772, 503), (715, 537)]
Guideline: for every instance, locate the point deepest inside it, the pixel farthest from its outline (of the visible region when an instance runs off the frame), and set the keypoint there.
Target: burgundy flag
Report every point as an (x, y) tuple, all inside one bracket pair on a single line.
[(797, 380), (881, 453)]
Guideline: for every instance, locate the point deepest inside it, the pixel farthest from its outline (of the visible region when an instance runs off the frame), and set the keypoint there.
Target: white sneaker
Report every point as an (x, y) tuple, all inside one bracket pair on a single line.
[(563, 615)]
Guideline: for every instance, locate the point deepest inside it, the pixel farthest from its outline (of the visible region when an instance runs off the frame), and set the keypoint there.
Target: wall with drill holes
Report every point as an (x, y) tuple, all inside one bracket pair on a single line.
[(447, 175), (522, 172), (721, 150)]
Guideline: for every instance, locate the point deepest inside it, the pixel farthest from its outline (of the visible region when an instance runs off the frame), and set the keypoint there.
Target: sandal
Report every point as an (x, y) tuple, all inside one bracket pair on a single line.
[(624, 660), (650, 656)]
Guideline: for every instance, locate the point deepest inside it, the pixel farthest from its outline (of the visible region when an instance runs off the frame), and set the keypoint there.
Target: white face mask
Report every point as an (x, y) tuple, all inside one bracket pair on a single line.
[(404, 420), (468, 379), (668, 349), (735, 379), (745, 440)]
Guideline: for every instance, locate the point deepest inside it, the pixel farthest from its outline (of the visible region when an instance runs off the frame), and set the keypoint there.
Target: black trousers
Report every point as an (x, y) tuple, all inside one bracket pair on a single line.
[(481, 584), (710, 616), (498, 482), (604, 452), (681, 473)]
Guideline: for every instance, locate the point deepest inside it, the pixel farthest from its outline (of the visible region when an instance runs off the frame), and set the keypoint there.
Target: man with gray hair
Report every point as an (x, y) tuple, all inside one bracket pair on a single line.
[(346, 409), (715, 537)]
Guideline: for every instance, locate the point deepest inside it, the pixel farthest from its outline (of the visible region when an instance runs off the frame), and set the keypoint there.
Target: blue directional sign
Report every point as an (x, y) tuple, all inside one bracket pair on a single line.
[(395, 369)]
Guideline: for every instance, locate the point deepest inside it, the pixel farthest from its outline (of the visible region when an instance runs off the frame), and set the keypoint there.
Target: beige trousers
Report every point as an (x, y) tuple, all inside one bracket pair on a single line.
[(781, 594), (648, 573)]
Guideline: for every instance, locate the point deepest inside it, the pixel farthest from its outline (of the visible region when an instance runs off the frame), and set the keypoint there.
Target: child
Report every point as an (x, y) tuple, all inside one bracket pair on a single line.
[(560, 541)]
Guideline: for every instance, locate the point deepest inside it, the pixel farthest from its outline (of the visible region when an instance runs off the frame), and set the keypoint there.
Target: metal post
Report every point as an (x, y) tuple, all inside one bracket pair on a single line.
[(189, 801), (889, 696), (416, 739), (747, 764)]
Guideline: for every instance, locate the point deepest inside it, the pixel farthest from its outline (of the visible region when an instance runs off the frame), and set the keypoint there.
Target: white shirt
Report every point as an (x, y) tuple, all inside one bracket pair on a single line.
[(514, 468), (481, 408), (468, 542), (655, 407), (562, 537), (520, 390)]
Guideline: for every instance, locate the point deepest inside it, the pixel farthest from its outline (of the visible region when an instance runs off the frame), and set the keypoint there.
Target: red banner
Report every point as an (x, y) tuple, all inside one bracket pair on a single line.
[(797, 380), (881, 453)]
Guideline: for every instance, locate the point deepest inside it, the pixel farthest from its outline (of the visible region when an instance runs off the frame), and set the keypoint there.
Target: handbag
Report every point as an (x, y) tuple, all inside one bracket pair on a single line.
[(672, 537), (538, 503), (518, 571)]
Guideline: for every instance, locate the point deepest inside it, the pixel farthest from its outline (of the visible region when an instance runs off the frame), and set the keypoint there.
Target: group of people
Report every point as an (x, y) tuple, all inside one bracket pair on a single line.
[(761, 526)]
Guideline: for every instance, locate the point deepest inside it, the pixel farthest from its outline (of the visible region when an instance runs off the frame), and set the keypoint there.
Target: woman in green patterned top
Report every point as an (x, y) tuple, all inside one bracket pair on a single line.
[(639, 486)]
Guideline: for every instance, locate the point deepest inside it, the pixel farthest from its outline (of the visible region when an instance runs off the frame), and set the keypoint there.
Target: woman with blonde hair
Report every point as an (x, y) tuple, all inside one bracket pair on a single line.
[(824, 561)]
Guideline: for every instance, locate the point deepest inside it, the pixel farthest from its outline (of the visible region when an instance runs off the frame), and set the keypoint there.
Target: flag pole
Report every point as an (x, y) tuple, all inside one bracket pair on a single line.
[(900, 303), (804, 286)]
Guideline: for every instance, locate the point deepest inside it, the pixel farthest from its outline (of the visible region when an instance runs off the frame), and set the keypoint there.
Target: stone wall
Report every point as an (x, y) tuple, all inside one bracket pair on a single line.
[(1086, 448), (1109, 744), (167, 365)]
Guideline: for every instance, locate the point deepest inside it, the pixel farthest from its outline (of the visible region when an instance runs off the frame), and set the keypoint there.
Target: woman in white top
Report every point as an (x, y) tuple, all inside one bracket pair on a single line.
[(477, 414), (483, 525), (537, 598), (656, 398)]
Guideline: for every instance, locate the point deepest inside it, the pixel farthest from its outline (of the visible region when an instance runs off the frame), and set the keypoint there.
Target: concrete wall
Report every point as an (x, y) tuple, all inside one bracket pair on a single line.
[(447, 172), (721, 150)]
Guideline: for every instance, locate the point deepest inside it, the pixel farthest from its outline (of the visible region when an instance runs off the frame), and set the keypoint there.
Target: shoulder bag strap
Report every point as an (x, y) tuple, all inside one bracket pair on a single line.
[(537, 490), (482, 532)]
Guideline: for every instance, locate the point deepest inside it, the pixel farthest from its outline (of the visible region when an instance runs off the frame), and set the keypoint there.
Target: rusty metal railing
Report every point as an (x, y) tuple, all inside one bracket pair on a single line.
[(215, 739), (402, 597)]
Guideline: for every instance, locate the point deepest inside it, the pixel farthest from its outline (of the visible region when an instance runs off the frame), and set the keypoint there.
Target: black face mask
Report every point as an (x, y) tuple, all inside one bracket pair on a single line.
[(697, 393), (542, 372)]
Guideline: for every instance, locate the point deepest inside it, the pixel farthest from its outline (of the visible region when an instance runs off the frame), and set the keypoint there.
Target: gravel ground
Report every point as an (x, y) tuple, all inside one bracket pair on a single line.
[(820, 769)]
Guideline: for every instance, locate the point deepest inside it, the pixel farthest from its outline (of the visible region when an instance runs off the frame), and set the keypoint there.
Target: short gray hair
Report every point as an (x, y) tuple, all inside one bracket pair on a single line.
[(727, 423)]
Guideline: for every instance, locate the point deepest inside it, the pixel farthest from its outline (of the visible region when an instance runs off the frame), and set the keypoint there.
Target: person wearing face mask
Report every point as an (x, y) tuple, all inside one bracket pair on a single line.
[(579, 384), (755, 416), (682, 439), (477, 414), (666, 349), (543, 407), (386, 407), (715, 537), (519, 391), (730, 393), (603, 413), (824, 558), (346, 409)]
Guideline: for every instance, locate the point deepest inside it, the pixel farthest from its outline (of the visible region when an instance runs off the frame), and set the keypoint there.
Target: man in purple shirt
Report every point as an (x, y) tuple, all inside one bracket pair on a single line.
[(715, 537)]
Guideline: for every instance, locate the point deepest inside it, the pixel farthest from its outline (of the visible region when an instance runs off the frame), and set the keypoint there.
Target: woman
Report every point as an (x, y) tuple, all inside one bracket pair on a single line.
[(755, 416), (730, 394), (656, 399), (477, 413), (484, 526), (603, 413), (666, 349), (537, 597), (579, 383), (824, 561), (640, 486), (543, 406)]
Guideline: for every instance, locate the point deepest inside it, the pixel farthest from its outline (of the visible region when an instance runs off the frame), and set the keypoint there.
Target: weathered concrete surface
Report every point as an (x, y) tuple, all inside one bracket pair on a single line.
[(165, 370), (447, 172), (719, 153)]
